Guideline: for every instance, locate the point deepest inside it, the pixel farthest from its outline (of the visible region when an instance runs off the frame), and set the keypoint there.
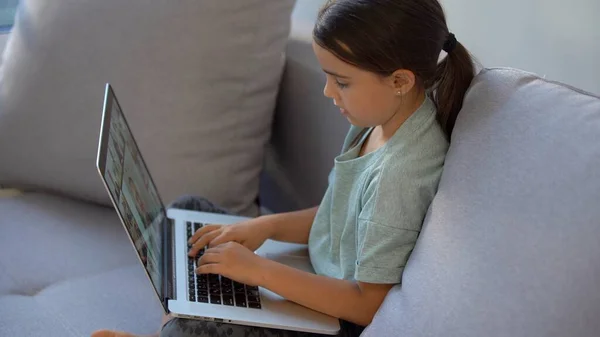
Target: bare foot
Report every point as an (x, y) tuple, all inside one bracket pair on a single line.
[(109, 333)]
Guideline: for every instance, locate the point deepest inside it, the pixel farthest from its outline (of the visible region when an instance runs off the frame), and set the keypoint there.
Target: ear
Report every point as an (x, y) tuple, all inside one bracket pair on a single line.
[(402, 81)]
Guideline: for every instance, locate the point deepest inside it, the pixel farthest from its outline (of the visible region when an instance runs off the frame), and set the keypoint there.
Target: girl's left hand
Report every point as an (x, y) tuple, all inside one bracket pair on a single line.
[(233, 261)]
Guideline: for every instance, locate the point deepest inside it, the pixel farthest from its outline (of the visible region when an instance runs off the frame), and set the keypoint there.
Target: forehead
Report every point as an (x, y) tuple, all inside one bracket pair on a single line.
[(331, 62)]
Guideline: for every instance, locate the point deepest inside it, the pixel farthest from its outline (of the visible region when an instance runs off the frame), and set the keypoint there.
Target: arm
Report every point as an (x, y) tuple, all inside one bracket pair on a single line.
[(293, 226), (355, 302)]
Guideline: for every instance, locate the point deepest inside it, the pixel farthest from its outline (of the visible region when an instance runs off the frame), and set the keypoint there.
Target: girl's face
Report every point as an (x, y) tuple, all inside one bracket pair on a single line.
[(364, 98)]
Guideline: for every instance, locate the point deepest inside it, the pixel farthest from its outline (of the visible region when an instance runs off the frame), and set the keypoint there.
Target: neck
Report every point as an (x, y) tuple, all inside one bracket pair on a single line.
[(404, 111)]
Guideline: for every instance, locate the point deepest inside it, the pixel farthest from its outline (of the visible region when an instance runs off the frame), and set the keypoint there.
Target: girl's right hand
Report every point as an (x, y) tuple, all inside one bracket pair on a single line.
[(251, 233)]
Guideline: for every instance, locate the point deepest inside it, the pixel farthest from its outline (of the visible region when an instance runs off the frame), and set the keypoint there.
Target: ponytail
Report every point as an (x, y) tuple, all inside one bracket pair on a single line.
[(453, 77)]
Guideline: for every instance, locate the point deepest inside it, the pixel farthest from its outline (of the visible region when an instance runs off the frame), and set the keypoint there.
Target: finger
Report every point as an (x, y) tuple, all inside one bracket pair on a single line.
[(202, 231), (215, 250), (212, 268), (220, 239), (209, 257), (202, 242)]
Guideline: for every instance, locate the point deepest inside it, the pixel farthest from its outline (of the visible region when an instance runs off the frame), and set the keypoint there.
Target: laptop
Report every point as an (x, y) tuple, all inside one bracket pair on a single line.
[(160, 236)]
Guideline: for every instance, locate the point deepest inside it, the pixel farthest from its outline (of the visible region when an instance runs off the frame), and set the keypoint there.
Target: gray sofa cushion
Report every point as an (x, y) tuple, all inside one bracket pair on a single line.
[(51, 239), (67, 268), (510, 244), (197, 79)]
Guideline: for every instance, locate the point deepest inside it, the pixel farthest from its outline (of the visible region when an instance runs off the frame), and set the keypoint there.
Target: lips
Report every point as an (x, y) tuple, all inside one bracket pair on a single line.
[(342, 110)]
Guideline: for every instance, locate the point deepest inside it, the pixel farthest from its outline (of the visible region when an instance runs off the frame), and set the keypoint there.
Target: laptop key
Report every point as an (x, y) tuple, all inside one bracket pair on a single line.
[(203, 293), (203, 299), (193, 297), (240, 300), (215, 299), (215, 291), (253, 298), (227, 291), (254, 305), (251, 287), (197, 226), (238, 287), (227, 299), (252, 292)]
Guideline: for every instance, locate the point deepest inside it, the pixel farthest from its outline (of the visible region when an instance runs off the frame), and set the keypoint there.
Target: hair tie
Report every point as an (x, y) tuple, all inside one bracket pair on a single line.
[(450, 43)]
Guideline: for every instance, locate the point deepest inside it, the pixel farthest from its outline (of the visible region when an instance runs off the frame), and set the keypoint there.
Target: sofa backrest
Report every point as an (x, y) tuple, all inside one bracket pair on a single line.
[(308, 130), (510, 246)]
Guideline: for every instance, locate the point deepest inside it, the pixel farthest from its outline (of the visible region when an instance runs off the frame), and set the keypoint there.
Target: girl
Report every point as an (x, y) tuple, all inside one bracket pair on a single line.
[(380, 58)]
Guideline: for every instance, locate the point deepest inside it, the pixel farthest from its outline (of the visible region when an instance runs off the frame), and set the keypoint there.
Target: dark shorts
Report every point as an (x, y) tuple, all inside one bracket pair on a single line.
[(181, 327)]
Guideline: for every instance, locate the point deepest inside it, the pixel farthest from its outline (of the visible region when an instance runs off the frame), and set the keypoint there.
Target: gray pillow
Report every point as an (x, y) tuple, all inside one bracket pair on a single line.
[(197, 80), (510, 246)]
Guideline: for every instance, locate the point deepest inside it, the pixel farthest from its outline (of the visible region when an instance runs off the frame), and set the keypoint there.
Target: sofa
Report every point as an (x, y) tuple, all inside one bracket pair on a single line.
[(509, 247)]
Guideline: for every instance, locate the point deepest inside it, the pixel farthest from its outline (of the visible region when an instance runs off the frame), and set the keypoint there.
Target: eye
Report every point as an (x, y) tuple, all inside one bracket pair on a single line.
[(341, 85)]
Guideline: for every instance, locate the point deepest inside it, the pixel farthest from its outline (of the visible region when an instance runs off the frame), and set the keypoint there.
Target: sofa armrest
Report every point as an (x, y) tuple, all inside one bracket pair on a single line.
[(308, 130)]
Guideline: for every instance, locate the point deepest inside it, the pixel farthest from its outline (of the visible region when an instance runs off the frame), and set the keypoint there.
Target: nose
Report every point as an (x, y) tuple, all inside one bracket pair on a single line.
[(327, 90)]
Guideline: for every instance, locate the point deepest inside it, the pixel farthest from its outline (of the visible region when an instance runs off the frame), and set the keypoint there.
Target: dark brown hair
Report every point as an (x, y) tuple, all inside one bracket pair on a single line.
[(383, 36)]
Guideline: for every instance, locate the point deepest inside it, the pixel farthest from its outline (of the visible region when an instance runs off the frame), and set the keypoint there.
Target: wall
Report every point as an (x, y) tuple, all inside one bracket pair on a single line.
[(555, 38)]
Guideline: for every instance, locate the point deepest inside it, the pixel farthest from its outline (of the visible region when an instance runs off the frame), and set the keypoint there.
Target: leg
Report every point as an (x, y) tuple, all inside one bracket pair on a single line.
[(179, 327), (193, 203)]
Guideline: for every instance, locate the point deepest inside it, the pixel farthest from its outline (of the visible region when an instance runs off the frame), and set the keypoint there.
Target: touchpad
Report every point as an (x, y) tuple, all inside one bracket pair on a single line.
[(294, 261)]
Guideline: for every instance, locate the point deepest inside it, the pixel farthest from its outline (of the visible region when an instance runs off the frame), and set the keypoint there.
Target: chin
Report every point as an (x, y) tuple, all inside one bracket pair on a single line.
[(358, 123)]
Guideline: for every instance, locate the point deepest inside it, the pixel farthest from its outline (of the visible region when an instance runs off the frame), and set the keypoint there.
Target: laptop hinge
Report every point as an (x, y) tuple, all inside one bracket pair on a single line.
[(169, 283)]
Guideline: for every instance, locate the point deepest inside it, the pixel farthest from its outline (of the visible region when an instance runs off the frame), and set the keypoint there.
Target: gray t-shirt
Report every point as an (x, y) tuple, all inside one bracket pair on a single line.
[(374, 207)]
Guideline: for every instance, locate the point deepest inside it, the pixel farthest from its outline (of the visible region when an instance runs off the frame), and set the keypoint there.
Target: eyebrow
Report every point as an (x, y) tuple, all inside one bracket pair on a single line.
[(335, 74)]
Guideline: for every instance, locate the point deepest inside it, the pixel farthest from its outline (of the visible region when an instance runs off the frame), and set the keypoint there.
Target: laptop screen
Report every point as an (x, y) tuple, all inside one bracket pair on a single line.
[(131, 189)]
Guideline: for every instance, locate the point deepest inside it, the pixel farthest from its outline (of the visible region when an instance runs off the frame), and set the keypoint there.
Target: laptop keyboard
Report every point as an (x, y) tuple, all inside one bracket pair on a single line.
[(217, 289)]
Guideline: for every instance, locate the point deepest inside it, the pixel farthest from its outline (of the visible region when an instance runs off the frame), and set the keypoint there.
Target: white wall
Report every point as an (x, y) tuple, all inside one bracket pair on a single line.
[(559, 39), (556, 38)]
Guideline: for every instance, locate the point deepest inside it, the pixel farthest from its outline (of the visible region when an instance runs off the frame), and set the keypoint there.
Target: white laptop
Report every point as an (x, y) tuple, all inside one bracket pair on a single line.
[(160, 238)]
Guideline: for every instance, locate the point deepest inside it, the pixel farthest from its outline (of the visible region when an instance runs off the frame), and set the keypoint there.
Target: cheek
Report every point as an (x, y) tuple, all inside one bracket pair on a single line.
[(370, 104)]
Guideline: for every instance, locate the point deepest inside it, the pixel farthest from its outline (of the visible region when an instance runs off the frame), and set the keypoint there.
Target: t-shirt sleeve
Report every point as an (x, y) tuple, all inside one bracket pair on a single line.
[(394, 204)]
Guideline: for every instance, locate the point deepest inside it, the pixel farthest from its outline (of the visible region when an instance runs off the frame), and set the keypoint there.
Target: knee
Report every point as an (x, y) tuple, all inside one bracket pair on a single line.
[(183, 327), (190, 202)]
